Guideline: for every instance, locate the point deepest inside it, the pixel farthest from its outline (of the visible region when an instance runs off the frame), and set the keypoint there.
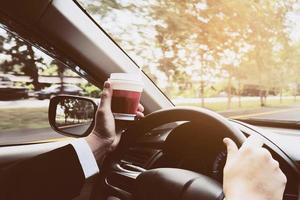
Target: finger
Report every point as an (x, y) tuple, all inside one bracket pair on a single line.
[(141, 108), (275, 164), (232, 148), (254, 141), (106, 96), (139, 115), (266, 153), (282, 176)]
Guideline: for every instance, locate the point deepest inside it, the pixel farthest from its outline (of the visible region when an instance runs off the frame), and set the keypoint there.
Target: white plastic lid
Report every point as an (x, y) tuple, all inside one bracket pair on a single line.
[(126, 81), (126, 76)]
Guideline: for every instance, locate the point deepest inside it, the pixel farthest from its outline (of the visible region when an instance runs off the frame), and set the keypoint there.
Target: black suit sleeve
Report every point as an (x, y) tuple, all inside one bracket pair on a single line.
[(54, 175)]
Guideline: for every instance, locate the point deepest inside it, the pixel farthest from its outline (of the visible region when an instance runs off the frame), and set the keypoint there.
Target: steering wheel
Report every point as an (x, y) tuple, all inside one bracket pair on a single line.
[(172, 183)]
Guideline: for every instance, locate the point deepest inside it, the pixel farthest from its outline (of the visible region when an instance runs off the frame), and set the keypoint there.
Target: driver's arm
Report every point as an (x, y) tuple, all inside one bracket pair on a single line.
[(53, 175), (251, 173), (60, 174), (104, 137)]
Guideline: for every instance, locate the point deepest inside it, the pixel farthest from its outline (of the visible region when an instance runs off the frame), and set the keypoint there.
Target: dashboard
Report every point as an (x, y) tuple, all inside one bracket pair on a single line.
[(181, 145)]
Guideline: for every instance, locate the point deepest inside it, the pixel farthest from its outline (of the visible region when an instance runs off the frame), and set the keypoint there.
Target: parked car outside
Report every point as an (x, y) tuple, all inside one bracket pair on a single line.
[(54, 90)]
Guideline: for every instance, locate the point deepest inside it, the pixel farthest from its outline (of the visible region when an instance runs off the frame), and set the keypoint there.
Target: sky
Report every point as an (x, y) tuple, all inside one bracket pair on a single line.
[(294, 18)]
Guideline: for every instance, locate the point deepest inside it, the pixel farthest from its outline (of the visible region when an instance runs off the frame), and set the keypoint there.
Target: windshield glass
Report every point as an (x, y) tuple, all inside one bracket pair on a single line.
[(239, 58)]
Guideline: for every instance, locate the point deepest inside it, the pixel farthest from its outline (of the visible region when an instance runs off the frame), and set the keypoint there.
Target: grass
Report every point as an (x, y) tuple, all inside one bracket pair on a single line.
[(23, 118), (246, 104)]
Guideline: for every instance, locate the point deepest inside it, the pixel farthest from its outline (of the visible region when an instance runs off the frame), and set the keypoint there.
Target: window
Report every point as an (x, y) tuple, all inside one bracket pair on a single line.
[(28, 78), (239, 58)]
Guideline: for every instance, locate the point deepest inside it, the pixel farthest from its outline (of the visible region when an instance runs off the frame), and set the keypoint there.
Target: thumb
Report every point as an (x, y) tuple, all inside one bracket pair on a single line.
[(106, 96), (232, 149)]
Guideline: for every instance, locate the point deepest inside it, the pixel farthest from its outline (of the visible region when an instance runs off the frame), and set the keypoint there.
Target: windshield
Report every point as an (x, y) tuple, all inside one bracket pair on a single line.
[(239, 58)]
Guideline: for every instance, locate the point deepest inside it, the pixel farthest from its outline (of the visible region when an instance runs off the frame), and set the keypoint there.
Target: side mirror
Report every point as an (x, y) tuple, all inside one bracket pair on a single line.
[(72, 115)]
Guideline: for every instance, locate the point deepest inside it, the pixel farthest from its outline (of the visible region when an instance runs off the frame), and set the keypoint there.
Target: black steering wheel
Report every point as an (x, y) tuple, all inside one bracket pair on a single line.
[(171, 183)]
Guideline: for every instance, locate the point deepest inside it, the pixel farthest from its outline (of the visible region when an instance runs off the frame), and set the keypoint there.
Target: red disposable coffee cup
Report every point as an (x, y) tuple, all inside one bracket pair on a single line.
[(127, 90)]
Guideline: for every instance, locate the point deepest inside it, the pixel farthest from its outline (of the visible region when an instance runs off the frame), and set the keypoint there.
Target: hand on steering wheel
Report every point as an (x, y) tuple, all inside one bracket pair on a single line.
[(172, 183), (251, 172)]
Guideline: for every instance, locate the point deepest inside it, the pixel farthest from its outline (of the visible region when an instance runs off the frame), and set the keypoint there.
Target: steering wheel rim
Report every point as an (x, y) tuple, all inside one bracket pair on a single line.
[(164, 116), (192, 114)]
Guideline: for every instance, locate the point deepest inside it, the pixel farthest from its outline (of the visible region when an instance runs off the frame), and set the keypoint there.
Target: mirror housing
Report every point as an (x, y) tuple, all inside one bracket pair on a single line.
[(72, 115)]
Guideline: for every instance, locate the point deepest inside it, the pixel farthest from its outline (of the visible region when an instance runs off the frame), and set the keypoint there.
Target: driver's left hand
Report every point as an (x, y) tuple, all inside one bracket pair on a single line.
[(104, 137)]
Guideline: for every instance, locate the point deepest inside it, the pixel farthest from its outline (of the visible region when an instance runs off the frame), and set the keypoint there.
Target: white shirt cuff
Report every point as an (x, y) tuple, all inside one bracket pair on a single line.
[(86, 157)]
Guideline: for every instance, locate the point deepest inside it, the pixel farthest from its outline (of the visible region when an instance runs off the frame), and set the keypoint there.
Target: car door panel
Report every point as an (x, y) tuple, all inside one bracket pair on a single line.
[(12, 154)]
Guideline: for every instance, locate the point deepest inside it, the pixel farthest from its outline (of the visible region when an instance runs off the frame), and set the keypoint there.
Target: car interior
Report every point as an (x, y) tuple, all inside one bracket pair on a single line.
[(178, 143)]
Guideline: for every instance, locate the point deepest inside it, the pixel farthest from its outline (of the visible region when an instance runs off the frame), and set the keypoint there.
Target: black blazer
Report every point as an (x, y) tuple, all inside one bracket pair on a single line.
[(56, 175)]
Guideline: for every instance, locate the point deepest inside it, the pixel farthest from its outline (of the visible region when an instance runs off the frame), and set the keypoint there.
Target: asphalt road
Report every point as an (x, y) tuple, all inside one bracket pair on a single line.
[(27, 103), (77, 129), (29, 136), (268, 113), (285, 114)]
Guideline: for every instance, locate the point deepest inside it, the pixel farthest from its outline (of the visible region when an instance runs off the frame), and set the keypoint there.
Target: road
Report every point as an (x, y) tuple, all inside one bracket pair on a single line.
[(76, 129), (48, 135), (268, 113), (286, 114), (27, 103), (29, 136)]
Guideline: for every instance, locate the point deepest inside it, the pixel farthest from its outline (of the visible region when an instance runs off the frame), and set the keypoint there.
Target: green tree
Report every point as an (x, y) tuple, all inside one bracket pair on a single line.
[(192, 41), (21, 58), (60, 67)]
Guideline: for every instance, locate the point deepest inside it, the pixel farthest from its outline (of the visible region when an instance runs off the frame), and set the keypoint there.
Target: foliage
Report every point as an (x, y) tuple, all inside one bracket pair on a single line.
[(189, 46), (19, 57), (90, 90), (194, 43), (22, 58)]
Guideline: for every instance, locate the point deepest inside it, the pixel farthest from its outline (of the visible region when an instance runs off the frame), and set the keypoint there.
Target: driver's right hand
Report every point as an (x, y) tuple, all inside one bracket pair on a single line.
[(104, 137), (251, 173)]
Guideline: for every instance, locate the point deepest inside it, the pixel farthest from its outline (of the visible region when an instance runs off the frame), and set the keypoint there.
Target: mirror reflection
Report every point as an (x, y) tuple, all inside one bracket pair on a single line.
[(74, 116)]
